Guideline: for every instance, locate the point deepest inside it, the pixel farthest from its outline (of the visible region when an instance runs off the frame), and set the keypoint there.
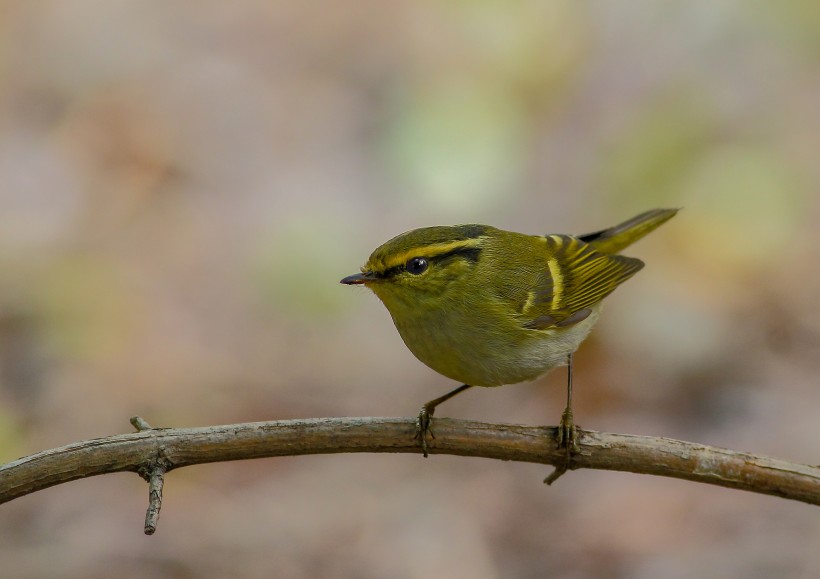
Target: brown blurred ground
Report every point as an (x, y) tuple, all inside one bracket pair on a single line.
[(182, 184)]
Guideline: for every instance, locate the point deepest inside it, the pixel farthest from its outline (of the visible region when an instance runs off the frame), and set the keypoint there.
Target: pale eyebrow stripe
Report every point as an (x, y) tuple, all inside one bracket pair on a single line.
[(432, 251)]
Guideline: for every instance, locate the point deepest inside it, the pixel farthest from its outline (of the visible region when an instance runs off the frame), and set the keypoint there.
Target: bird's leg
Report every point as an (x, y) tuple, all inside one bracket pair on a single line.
[(426, 416), (567, 435)]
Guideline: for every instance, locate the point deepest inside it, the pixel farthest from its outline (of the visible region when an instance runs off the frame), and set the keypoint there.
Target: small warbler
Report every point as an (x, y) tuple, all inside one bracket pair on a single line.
[(488, 307)]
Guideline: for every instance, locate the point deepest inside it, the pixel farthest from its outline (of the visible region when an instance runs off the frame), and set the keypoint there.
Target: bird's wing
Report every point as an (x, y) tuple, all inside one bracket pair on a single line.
[(576, 277)]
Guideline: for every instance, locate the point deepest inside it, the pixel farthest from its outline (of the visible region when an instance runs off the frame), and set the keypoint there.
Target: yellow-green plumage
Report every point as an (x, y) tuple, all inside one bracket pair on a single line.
[(495, 307)]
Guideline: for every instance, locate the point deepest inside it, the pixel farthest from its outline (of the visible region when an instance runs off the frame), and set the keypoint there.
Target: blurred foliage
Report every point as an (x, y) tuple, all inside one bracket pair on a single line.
[(457, 147), (292, 268), (85, 302), (659, 150)]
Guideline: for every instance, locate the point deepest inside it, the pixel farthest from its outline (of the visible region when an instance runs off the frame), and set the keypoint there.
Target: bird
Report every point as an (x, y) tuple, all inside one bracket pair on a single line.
[(488, 307)]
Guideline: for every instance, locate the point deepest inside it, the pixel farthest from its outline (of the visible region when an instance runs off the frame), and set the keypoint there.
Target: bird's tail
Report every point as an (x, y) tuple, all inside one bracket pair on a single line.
[(616, 238)]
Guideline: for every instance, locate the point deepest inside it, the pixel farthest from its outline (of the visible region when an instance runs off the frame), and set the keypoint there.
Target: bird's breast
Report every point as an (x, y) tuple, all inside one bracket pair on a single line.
[(482, 351)]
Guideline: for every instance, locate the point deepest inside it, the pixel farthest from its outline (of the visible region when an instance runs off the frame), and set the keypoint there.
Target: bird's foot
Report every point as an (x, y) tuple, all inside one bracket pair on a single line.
[(423, 422), (567, 439)]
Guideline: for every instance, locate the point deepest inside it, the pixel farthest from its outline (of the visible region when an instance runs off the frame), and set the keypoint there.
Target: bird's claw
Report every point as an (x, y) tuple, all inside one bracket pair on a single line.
[(567, 439), (423, 422), (567, 435)]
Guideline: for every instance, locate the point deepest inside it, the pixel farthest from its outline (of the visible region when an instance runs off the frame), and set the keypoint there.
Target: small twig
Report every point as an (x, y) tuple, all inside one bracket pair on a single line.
[(156, 479), (140, 423), (153, 472), (556, 473)]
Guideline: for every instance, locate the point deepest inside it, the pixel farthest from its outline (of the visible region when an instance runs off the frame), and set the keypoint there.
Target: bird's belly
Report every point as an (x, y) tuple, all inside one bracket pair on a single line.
[(486, 356)]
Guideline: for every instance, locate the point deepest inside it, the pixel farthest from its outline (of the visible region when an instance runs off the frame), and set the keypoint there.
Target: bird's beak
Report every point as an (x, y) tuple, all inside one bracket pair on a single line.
[(358, 278)]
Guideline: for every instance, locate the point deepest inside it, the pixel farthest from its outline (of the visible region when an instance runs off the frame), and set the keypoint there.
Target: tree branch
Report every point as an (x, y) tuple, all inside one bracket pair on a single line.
[(152, 452)]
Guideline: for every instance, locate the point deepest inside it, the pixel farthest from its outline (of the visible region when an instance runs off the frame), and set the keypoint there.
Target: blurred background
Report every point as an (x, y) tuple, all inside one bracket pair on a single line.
[(182, 185)]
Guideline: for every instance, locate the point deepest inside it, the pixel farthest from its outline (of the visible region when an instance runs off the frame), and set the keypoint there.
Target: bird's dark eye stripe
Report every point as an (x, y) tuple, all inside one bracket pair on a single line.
[(468, 253), (395, 270)]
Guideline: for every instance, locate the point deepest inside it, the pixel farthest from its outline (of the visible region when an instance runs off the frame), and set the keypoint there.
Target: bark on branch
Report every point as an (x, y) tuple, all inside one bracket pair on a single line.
[(152, 452)]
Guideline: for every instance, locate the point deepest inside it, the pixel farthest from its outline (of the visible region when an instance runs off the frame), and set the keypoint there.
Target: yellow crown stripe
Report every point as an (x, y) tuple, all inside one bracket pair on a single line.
[(430, 251)]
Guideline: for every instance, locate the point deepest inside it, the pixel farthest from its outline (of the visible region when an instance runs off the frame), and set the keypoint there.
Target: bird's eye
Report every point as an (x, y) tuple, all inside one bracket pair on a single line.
[(417, 265)]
